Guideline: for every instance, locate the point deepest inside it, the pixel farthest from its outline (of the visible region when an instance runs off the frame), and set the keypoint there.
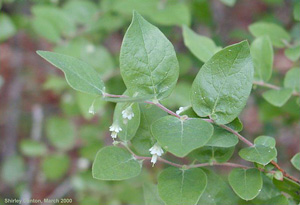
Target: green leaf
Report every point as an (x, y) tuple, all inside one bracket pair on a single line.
[(7, 27), (81, 11), (236, 124), (180, 137), (222, 138), (288, 186), (55, 166), (60, 132), (258, 153), (79, 75), (268, 191), (32, 148), (246, 183), (12, 170), (280, 200), (278, 97), (129, 127), (223, 84), (275, 32), (212, 154), (143, 139), (179, 97), (278, 175), (291, 79), (151, 195), (230, 3), (217, 191), (157, 11), (55, 83), (201, 46), (45, 29), (178, 10), (62, 23), (129, 99), (89, 151), (97, 56), (293, 53), (262, 56), (179, 186), (148, 61), (114, 163), (265, 141), (296, 161)]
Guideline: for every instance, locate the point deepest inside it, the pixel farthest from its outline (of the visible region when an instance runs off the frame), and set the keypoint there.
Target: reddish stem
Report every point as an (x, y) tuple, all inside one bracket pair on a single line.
[(274, 87)]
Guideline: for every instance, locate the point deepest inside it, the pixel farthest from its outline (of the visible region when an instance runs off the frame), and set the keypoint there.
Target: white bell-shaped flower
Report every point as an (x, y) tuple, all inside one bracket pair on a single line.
[(154, 159), (92, 109), (156, 149), (128, 113), (115, 129), (156, 152), (180, 110)]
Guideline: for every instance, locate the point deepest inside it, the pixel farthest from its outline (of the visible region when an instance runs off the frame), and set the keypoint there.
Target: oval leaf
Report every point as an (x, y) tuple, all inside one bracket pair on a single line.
[(223, 84), (180, 137), (144, 139), (266, 141), (60, 133), (148, 61), (222, 138), (115, 163), (236, 124), (217, 191), (129, 127), (262, 55), (151, 196), (278, 97), (296, 161), (80, 75), (55, 166), (275, 32), (212, 154), (259, 154), (178, 186), (246, 183), (201, 46), (291, 79)]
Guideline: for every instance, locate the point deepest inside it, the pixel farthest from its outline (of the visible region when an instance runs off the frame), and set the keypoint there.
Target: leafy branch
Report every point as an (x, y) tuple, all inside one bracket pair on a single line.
[(150, 70), (243, 139)]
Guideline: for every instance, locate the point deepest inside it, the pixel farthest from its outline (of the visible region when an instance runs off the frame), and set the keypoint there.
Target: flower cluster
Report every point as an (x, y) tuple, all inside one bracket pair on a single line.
[(156, 152), (127, 114), (115, 129)]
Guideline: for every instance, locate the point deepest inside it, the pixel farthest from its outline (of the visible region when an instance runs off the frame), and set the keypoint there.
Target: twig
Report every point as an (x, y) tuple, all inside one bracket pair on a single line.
[(227, 164), (163, 108), (148, 102), (274, 87), (250, 144), (183, 165)]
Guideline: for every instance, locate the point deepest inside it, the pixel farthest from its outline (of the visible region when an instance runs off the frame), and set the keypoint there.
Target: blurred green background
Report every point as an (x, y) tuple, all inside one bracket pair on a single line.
[(48, 138)]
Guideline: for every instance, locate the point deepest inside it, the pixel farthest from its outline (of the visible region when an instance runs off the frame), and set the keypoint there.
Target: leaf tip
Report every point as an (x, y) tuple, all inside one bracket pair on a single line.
[(135, 14)]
